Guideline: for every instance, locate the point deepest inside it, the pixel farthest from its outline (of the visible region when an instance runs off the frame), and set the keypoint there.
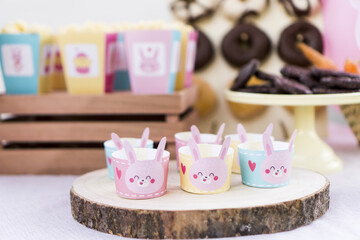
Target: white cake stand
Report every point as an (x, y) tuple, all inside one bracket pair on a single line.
[(311, 151)]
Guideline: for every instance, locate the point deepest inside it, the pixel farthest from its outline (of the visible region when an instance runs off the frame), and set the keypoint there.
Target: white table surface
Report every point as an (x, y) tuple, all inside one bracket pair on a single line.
[(38, 207)]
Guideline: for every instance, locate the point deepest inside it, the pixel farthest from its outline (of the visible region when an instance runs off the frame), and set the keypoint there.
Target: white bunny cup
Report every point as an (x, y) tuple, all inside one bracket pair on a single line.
[(206, 168), (242, 137), (141, 173), (115, 143), (266, 164), (182, 138)]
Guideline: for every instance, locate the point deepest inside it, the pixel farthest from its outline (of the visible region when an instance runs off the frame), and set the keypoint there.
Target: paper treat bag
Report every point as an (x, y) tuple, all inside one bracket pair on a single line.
[(84, 59), (153, 59), (187, 57), (57, 80), (46, 51), (19, 58)]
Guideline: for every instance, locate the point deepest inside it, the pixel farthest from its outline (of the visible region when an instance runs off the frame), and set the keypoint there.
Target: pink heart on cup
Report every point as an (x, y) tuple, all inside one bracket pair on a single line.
[(118, 173), (252, 165), (183, 168), (109, 160)]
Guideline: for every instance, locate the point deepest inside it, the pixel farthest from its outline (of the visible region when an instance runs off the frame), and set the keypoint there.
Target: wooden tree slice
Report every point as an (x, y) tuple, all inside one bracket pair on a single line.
[(240, 211)]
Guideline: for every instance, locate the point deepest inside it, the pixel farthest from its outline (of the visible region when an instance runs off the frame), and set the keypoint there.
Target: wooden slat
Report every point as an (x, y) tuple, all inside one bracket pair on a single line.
[(112, 103), (55, 161), (90, 131)]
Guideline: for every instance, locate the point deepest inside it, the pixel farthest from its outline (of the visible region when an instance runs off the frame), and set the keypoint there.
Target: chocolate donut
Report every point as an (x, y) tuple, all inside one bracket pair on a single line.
[(300, 31), (245, 42), (191, 11), (205, 51)]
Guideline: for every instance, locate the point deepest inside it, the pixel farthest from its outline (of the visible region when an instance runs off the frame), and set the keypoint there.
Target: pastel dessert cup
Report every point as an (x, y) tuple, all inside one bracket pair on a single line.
[(269, 168), (235, 141), (110, 148), (182, 138), (209, 173), (142, 177)]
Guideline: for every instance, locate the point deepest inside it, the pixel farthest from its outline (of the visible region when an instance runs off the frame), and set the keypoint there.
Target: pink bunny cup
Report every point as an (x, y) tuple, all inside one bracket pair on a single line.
[(182, 138), (242, 137), (206, 168), (141, 173), (266, 164)]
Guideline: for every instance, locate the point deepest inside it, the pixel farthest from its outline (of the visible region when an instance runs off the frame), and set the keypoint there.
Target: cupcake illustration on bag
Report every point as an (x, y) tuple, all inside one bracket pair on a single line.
[(82, 63)]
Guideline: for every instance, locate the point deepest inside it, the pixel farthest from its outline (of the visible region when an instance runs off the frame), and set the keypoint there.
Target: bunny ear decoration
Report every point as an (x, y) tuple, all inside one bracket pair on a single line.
[(269, 129), (220, 133), (129, 152), (194, 149), (116, 139), (145, 137), (268, 145), (160, 149), (224, 148), (292, 140), (241, 133), (195, 134)]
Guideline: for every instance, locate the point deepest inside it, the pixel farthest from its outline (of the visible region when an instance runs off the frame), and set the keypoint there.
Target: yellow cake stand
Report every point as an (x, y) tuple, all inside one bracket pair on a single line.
[(311, 151)]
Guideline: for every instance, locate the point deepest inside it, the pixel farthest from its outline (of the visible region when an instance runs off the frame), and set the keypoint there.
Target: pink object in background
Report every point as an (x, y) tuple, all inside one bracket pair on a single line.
[(110, 60), (341, 30), (190, 58)]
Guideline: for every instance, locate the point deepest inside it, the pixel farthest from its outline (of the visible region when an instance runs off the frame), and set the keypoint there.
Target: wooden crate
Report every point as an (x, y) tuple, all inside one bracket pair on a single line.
[(63, 134)]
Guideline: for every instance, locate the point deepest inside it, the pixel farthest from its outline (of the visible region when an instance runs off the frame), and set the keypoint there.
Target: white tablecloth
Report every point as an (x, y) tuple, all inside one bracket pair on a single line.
[(38, 207)]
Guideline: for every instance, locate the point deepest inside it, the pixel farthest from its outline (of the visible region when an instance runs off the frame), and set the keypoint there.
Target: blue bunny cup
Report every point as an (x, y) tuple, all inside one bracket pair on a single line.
[(266, 164)]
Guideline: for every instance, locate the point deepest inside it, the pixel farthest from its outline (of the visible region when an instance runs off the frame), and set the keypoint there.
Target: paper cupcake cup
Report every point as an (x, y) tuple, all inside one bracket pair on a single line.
[(182, 138), (142, 178), (88, 61), (19, 59), (110, 148), (265, 169), (251, 137), (153, 60), (210, 173)]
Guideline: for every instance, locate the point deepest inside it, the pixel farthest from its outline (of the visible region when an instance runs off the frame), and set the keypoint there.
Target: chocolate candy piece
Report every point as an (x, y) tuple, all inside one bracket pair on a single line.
[(320, 90), (245, 74), (205, 51), (265, 76), (245, 42), (319, 73), (341, 82), (300, 31), (291, 86), (260, 89), (292, 71), (303, 75)]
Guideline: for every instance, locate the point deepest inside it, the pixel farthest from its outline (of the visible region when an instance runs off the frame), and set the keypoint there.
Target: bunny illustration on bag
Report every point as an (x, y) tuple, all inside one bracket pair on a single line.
[(276, 167), (17, 59), (208, 173), (147, 176), (149, 63)]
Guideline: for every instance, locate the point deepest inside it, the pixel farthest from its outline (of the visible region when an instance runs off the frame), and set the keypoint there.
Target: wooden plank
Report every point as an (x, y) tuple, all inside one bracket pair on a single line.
[(112, 103), (51, 161), (90, 131)]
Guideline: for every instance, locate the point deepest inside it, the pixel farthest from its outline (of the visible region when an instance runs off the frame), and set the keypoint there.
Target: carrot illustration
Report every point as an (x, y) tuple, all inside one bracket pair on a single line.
[(316, 58)]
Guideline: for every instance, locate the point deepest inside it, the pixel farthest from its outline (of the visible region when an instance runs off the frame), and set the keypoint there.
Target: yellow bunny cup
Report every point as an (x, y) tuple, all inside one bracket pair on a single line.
[(206, 168)]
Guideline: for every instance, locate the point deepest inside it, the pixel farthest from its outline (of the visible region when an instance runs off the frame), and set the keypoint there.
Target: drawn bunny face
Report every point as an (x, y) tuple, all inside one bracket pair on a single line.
[(208, 173), (147, 176), (277, 165), (149, 63), (144, 176)]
